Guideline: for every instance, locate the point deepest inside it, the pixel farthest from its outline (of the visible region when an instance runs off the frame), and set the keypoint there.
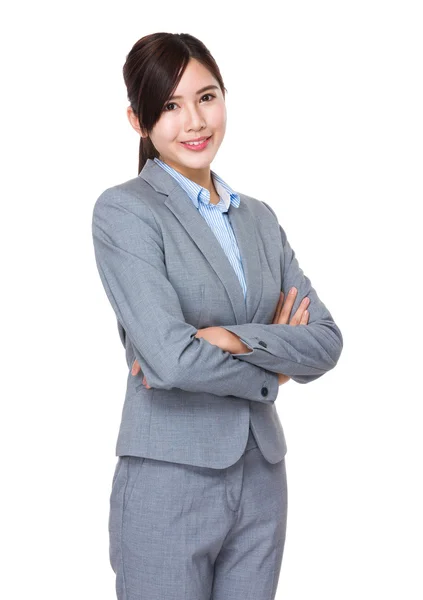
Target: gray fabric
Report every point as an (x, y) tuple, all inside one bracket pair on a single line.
[(165, 276), (180, 532)]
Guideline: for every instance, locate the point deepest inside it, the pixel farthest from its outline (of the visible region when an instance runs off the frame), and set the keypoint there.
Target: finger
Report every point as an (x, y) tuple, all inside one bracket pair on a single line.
[(135, 368), (283, 378), (296, 319), (304, 318), (277, 310), (145, 383), (287, 307)]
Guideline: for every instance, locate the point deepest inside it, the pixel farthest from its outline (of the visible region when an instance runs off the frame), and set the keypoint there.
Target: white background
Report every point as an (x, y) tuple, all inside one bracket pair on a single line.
[(324, 124)]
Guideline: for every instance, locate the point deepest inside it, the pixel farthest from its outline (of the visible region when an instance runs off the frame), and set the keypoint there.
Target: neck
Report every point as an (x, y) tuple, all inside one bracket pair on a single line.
[(200, 176)]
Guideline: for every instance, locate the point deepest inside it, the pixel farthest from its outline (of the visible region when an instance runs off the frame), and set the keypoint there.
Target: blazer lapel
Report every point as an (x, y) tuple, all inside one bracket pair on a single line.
[(242, 222), (197, 228)]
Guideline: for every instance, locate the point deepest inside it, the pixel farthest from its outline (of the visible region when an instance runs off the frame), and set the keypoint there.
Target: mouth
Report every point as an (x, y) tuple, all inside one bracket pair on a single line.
[(197, 145)]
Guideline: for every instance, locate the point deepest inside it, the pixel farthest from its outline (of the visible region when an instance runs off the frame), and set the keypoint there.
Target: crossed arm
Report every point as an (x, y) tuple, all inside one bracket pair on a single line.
[(230, 342), (130, 259)]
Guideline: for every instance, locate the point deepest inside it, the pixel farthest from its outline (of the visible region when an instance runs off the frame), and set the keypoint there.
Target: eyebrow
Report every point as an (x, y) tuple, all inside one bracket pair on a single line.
[(208, 87)]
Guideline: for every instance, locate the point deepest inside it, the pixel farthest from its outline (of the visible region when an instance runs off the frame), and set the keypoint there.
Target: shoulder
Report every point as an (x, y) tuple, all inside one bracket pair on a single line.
[(135, 195), (258, 208), (265, 218), (127, 206)]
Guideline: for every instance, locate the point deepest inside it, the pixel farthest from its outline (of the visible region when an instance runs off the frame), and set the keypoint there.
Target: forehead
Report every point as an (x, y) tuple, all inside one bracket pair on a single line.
[(195, 80)]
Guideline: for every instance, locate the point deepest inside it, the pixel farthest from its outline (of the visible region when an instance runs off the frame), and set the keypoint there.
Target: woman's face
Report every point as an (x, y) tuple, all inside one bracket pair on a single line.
[(188, 117)]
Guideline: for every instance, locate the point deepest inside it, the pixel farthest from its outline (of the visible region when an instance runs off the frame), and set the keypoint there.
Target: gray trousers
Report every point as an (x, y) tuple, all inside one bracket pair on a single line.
[(182, 532)]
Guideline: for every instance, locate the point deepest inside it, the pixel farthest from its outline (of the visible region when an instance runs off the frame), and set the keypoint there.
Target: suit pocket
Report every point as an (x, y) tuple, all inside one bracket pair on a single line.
[(133, 471)]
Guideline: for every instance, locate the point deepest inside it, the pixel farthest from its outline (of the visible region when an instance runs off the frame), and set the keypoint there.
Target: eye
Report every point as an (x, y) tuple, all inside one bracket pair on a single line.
[(170, 104), (211, 96), (174, 103)]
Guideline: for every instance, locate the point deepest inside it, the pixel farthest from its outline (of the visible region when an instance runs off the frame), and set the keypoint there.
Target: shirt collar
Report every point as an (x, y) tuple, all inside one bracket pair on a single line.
[(197, 193)]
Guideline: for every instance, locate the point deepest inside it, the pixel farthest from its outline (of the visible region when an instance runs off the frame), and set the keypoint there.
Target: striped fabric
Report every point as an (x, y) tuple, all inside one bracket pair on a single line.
[(216, 215)]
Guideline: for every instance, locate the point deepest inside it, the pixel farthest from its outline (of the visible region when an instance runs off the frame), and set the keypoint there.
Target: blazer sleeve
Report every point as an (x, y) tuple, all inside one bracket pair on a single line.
[(130, 259), (304, 352)]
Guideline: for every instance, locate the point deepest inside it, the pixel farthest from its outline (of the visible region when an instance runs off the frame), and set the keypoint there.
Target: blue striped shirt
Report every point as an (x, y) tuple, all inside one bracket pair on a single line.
[(216, 215)]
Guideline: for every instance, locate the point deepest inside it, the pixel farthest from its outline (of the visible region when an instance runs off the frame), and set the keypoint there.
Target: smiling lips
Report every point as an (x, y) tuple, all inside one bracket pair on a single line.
[(197, 145)]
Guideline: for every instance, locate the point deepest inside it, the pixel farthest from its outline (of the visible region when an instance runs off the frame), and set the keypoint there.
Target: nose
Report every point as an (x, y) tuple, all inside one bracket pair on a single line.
[(194, 119)]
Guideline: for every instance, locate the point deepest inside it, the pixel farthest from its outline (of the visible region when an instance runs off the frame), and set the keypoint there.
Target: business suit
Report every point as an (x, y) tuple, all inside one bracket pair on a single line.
[(165, 276)]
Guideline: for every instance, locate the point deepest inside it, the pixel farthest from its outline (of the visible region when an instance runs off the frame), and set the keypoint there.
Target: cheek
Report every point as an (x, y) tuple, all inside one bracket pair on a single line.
[(217, 119), (165, 131)]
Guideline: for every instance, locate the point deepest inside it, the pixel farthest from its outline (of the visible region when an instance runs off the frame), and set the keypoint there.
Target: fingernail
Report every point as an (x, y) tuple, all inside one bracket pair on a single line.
[(292, 290)]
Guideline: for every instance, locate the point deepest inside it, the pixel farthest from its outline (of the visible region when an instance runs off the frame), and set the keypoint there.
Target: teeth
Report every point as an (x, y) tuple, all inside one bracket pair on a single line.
[(195, 143)]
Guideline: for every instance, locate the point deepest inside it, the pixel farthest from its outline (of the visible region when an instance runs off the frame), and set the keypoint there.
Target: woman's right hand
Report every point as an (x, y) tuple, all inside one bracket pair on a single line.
[(282, 313)]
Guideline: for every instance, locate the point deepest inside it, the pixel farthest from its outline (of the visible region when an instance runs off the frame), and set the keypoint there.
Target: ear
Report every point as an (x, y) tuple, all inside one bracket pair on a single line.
[(134, 121)]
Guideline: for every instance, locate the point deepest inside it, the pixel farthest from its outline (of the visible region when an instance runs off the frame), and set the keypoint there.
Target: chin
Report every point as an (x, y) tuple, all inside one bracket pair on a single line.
[(195, 158), (200, 163)]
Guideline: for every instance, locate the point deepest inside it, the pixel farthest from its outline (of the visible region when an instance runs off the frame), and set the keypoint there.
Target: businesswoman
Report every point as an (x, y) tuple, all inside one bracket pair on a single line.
[(214, 314)]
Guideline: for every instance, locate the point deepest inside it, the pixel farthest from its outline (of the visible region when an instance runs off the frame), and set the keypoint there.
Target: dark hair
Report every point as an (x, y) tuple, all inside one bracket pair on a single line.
[(152, 71)]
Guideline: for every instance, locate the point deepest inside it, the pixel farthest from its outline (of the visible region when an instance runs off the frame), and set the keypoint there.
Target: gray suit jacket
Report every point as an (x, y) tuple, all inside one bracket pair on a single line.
[(166, 276)]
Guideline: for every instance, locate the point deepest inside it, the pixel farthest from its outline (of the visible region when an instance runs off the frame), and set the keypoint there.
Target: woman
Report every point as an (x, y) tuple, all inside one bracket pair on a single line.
[(199, 278)]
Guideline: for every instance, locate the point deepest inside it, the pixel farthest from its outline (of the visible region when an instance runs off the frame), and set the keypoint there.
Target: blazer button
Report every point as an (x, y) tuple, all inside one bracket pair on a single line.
[(264, 391), (263, 344)]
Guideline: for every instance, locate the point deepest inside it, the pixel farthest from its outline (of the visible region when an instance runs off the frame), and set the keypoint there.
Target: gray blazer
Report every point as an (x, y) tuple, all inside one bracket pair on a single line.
[(166, 276)]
